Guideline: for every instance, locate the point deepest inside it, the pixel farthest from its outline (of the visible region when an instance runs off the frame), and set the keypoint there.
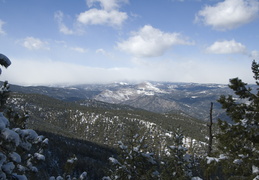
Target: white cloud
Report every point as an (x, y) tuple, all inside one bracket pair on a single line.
[(229, 14), (102, 17), (255, 55), (100, 51), (62, 27), (104, 53), (106, 5), (107, 15), (151, 42), (226, 47), (1, 27), (32, 43), (79, 49)]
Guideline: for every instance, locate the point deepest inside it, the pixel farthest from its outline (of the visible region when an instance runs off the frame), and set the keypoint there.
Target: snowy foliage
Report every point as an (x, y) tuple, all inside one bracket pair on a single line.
[(21, 149), (72, 160), (4, 94), (196, 178), (83, 176), (4, 61), (16, 144), (178, 163), (134, 162), (238, 142)]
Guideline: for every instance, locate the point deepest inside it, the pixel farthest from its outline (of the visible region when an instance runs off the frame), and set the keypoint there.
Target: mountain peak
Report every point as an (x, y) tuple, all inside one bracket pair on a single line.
[(147, 86)]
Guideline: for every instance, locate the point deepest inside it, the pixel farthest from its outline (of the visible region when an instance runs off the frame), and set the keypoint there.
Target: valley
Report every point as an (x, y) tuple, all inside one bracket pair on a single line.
[(99, 116)]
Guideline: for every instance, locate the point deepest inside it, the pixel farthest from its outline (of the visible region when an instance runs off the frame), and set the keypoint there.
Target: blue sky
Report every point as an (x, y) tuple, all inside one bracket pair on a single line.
[(101, 41)]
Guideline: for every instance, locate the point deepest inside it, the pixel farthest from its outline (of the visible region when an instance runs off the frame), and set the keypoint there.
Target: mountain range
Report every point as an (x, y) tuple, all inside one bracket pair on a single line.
[(160, 97)]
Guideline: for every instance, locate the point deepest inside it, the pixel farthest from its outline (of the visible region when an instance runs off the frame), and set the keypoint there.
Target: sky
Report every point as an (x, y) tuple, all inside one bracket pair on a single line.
[(68, 42)]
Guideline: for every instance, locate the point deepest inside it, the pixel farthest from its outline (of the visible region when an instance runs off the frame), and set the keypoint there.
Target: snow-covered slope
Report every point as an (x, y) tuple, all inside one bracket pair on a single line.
[(193, 99), (125, 93)]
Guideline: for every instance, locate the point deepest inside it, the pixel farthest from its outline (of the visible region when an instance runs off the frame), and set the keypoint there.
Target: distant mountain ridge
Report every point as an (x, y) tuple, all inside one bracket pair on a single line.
[(161, 97)]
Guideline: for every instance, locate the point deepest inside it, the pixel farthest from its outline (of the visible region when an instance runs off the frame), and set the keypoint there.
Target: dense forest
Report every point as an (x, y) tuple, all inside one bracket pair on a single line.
[(46, 138)]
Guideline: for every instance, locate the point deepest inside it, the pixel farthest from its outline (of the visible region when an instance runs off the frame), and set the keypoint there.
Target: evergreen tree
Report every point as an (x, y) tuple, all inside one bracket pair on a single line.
[(20, 149), (134, 162), (177, 162), (239, 140), (4, 94)]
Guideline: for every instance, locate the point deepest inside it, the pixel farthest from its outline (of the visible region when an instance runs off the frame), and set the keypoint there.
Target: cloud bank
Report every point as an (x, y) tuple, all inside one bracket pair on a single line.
[(229, 14), (48, 72)]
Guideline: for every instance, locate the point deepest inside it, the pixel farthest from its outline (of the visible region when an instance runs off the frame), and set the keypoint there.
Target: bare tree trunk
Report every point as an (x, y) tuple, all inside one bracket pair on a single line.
[(210, 130)]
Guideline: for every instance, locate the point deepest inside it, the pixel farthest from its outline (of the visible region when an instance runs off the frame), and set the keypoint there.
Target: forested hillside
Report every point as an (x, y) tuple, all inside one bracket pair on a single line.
[(99, 126), (84, 122)]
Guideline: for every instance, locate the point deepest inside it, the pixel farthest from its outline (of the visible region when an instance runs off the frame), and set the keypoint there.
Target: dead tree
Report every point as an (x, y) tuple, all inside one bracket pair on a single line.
[(210, 130)]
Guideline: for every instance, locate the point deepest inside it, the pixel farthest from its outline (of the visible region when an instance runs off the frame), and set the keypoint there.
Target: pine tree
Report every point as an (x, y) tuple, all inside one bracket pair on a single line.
[(177, 162), (239, 141), (134, 162), (4, 94), (20, 149)]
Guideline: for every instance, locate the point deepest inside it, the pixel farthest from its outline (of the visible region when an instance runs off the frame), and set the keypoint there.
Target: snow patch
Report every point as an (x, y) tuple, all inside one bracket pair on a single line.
[(238, 161), (39, 156), (255, 169), (196, 178), (113, 160)]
